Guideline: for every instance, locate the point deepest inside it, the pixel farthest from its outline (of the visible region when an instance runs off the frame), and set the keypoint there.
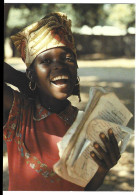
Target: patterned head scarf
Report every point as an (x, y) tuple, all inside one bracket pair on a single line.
[(54, 30)]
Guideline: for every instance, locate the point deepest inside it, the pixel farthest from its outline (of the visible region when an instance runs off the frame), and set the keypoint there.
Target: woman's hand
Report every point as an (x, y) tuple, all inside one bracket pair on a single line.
[(107, 159)]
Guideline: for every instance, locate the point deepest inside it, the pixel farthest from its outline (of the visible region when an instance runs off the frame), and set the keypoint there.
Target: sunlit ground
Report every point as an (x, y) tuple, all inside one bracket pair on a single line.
[(117, 75)]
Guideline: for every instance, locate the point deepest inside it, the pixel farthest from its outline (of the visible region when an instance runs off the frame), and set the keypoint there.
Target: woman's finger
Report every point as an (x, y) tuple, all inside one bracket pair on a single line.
[(97, 160), (103, 154), (95, 157), (114, 143), (109, 148)]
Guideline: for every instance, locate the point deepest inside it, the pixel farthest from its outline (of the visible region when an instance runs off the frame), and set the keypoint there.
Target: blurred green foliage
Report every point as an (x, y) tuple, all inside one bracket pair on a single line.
[(17, 16), (121, 15)]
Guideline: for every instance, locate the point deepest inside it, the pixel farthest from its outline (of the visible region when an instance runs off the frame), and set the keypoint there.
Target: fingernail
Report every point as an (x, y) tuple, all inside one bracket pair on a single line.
[(96, 145), (110, 131), (92, 154), (102, 135)]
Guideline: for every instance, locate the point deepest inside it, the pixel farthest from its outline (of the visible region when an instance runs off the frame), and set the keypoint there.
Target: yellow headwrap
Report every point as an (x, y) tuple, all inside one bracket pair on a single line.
[(54, 30)]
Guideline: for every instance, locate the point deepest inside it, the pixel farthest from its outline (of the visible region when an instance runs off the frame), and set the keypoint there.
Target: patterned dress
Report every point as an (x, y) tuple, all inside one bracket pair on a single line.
[(31, 134)]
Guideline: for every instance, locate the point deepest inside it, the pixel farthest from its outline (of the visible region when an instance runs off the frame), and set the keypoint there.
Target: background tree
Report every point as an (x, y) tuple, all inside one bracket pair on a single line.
[(120, 15)]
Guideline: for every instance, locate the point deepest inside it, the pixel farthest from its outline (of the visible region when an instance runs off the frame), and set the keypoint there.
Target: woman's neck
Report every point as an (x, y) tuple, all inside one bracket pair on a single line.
[(52, 104)]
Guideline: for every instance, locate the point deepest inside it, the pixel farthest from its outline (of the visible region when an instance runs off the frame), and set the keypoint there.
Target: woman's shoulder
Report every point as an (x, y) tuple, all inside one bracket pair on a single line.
[(20, 102), (21, 99), (21, 107)]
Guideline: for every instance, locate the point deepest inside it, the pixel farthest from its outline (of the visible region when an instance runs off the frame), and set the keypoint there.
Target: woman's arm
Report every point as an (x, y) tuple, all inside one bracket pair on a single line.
[(97, 180), (109, 159), (16, 78)]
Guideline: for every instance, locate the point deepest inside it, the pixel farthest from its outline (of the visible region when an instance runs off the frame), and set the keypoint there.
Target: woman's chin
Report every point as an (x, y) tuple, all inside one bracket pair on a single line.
[(61, 92), (62, 96), (57, 92)]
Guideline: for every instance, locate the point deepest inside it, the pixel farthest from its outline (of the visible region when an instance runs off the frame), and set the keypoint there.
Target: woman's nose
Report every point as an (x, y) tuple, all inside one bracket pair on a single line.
[(58, 65)]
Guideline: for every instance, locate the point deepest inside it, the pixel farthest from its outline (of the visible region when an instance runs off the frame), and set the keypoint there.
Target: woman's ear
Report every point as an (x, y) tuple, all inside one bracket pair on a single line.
[(30, 74)]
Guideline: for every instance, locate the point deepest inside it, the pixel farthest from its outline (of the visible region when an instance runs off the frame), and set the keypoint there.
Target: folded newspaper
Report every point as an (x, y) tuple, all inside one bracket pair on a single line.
[(103, 111)]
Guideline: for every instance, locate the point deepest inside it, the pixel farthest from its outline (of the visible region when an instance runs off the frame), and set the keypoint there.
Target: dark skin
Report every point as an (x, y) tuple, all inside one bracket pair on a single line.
[(46, 66), (107, 161)]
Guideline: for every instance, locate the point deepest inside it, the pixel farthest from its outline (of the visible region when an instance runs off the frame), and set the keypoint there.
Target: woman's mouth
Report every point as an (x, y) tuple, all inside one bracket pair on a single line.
[(60, 81)]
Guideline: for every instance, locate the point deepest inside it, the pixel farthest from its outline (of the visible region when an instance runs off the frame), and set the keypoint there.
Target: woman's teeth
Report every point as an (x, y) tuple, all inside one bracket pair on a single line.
[(60, 81), (60, 77)]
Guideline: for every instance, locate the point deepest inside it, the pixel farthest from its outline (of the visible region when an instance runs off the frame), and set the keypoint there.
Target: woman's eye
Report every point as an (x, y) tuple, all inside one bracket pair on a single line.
[(46, 61), (70, 59)]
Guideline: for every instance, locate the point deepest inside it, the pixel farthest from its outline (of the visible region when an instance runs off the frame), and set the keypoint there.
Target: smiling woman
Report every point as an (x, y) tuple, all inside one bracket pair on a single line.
[(37, 117), (48, 50), (55, 73)]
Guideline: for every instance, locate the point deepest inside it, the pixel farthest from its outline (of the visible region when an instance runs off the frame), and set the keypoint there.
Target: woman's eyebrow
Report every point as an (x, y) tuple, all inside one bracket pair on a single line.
[(44, 56), (68, 53)]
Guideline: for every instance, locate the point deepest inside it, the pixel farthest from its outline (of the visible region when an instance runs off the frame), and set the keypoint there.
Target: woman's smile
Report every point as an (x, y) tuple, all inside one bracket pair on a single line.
[(60, 81), (56, 72)]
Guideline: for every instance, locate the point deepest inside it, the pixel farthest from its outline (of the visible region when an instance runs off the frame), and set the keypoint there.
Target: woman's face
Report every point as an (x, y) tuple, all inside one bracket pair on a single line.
[(56, 72)]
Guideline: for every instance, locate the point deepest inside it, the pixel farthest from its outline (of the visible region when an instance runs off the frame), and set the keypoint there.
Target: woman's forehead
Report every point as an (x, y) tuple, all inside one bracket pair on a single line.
[(55, 51)]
